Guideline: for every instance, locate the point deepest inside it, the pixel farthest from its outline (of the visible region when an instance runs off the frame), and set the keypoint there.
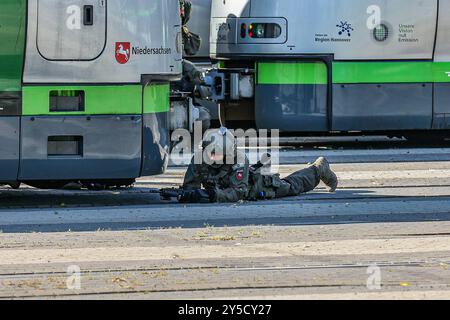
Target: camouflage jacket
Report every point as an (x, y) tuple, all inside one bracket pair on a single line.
[(230, 182), (233, 183)]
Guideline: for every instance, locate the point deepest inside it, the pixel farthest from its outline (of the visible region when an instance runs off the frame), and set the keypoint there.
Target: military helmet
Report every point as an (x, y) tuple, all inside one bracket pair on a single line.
[(220, 142)]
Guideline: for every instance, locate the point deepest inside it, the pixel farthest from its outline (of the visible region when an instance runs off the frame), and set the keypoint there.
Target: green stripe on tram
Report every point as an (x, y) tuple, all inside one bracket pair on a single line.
[(292, 73), (305, 73), (156, 98), (98, 100), (391, 72)]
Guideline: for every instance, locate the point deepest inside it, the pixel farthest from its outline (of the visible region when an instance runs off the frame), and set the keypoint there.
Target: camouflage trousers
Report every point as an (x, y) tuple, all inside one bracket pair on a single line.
[(298, 183), (272, 186)]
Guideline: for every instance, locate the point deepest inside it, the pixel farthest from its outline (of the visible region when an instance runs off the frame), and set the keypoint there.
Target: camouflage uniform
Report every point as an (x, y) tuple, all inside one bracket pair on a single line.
[(232, 183)]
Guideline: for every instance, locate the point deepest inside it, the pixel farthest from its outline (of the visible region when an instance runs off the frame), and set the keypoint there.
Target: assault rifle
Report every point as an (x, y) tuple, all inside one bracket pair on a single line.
[(168, 194), (188, 196)]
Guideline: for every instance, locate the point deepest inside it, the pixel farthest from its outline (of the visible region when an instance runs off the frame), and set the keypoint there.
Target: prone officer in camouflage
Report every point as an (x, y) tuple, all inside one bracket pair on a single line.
[(228, 177)]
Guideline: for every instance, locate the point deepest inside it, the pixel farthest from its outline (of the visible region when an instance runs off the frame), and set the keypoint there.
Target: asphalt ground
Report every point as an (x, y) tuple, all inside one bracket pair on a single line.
[(383, 234)]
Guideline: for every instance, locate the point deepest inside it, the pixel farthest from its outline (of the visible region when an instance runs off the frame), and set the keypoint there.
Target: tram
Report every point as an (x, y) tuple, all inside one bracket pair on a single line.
[(341, 66), (84, 89)]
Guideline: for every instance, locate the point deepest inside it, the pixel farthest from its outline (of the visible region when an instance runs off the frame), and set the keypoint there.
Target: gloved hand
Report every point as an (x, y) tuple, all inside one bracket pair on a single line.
[(197, 196)]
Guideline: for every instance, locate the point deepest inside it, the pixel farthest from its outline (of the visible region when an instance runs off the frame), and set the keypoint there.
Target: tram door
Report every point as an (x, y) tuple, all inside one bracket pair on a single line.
[(292, 95)]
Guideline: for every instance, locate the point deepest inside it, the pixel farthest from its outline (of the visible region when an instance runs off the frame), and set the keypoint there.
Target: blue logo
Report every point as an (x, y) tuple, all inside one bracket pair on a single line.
[(345, 28)]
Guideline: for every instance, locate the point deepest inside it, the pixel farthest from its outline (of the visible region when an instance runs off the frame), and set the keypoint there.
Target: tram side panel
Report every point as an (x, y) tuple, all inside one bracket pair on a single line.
[(388, 94), (441, 116), (379, 79), (96, 88), (12, 38), (366, 96), (339, 28)]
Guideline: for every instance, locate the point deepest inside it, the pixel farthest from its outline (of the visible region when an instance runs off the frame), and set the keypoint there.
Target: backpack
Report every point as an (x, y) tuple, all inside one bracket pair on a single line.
[(191, 42)]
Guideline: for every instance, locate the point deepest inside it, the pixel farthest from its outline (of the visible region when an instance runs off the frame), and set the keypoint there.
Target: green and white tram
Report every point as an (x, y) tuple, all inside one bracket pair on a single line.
[(333, 66), (84, 89)]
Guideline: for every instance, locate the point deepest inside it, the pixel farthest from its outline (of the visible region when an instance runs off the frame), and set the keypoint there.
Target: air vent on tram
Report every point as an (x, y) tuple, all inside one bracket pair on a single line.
[(66, 100), (61, 146)]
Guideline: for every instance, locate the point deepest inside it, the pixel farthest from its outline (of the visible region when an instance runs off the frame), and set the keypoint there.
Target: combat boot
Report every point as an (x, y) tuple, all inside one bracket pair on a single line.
[(326, 174)]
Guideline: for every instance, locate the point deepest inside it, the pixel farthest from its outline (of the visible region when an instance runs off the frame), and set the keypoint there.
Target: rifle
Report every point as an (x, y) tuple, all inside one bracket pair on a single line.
[(188, 196), (168, 194)]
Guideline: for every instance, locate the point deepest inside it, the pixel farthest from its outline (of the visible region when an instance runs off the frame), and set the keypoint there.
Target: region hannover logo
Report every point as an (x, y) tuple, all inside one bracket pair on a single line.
[(123, 52), (345, 28)]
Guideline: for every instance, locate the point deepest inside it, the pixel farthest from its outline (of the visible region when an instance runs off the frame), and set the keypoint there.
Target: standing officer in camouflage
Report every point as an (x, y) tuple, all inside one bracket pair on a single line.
[(226, 176)]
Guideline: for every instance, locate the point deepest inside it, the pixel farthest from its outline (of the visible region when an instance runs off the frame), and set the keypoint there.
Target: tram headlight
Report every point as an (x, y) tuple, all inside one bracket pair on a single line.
[(260, 31)]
